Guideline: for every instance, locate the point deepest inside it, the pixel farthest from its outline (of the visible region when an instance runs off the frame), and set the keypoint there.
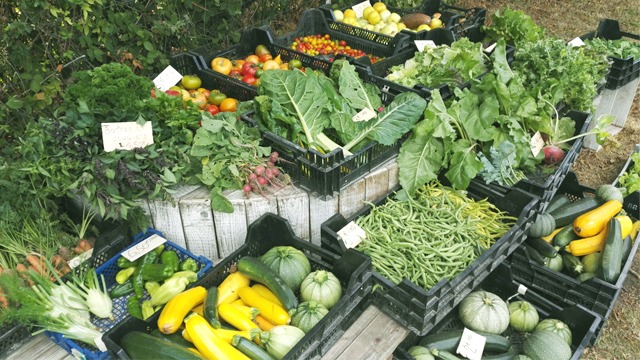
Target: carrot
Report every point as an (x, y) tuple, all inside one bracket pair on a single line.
[(36, 262), (85, 244), (4, 303), (65, 252), (22, 270), (78, 250), (60, 264)]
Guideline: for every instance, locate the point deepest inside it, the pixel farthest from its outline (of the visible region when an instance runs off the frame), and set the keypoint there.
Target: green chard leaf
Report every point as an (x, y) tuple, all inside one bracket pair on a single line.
[(464, 164), (357, 93)]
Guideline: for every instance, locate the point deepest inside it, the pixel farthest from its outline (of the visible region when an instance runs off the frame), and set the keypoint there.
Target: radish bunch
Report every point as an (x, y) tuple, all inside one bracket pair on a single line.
[(265, 176)]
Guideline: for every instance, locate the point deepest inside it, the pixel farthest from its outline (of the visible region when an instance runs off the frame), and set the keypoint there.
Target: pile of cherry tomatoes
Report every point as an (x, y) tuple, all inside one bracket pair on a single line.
[(317, 45), (250, 69)]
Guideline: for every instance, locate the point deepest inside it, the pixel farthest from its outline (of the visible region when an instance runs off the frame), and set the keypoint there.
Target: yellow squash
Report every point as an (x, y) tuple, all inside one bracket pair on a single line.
[(231, 284), (208, 343), (235, 317), (634, 230), (626, 225), (549, 238), (248, 311), (178, 307), (593, 222), (268, 309), (266, 293), (596, 243), (263, 324), (227, 335)]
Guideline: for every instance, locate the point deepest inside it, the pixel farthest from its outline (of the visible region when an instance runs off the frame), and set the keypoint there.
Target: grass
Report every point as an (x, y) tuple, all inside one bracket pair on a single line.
[(568, 19)]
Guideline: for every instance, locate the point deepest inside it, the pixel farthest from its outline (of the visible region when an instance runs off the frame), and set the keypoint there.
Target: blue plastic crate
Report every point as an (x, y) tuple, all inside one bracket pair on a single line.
[(109, 269)]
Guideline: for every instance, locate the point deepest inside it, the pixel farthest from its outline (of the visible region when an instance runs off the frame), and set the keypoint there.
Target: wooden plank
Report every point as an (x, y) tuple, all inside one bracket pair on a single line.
[(231, 228), (392, 165), (144, 205), (39, 347), (166, 216), (377, 341), (352, 197), (376, 184), (197, 223), (257, 205), (319, 212), (614, 102), (352, 332), (293, 205)]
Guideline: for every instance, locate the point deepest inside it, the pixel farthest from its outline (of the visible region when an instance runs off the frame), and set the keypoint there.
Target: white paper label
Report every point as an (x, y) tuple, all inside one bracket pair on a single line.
[(73, 263), (143, 247), (359, 8), (365, 114), (522, 289), (471, 345), (126, 135), (167, 78), (537, 143), (576, 42), (77, 354), (100, 344), (421, 44), (490, 48), (352, 235)]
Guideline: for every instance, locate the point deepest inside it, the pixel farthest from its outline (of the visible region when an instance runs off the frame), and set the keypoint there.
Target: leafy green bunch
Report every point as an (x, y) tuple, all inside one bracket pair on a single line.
[(619, 48), (514, 26)]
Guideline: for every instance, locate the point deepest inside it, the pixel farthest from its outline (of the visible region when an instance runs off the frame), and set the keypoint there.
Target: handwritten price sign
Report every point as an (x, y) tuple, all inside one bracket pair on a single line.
[(352, 235), (143, 247), (471, 345), (126, 135)]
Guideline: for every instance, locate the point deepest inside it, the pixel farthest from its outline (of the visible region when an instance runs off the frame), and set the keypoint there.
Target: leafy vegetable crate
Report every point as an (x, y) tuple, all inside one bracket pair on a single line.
[(462, 22), (582, 322), (546, 185), (419, 309), (109, 269), (594, 294), (193, 64), (352, 269), (313, 22), (632, 201), (622, 70)]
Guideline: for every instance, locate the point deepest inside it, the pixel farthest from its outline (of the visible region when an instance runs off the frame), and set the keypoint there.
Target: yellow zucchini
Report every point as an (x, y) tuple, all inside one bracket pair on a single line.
[(227, 335), (208, 343), (268, 309), (266, 293), (263, 324), (593, 222), (588, 245), (178, 307), (198, 309), (239, 302), (186, 336), (549, 238), (235, 317), (231, 284), (626, 225), (634, 230)]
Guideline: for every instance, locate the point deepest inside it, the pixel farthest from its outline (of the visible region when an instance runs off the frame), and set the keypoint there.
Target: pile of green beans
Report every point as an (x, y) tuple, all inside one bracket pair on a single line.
[(435, 234)]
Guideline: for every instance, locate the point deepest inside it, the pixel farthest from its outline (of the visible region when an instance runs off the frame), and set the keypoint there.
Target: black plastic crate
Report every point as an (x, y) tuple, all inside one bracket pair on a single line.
[(313, 22), (325, 174), (594, 294), (462, 22), (545, 184), (419, 309), (582, 322), (352, 269), (193, 64), (631, 201), (12, 338), (622, 71)]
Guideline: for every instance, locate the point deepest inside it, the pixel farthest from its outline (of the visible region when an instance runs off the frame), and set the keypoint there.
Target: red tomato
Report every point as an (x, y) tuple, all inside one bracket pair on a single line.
[(265, 57), (249, 69), (249, 79), (212, 109)]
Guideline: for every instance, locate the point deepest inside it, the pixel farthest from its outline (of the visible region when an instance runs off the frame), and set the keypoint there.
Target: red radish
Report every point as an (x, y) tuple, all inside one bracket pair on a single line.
[(553, 154)]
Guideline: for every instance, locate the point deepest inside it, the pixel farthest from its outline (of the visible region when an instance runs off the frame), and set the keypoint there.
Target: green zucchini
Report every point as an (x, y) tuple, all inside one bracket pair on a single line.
[(612, 252), (257, 271), (585, 276), (140, 345), (556, 202), (210, 309), (535, 255), (627, 244), (544, 248), (175, 338), (573, 264), (250, 349), (508, 355), (564, 215), (591, 262), (449, 341), (564, 237), (443, 354)]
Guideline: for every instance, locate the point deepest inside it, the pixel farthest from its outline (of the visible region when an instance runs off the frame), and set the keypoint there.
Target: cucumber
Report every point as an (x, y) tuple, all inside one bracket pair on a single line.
[(564, 215), (210, 309), (544, 248), (556, 202), (140, 345), (612, 252), (535, 255), (250, 349), (573, 264), (564, 237), (449, 340), (257, 271)]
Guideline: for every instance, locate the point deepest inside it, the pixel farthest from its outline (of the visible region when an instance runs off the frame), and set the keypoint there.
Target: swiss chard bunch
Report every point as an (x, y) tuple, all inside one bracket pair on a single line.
[(315, 111)]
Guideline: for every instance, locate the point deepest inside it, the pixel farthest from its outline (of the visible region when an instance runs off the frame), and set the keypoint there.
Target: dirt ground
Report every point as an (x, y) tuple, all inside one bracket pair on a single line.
[(568, 19)]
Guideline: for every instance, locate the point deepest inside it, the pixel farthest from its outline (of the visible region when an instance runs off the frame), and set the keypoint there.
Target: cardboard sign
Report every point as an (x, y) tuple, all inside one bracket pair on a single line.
[(352, 235), (537, 143), (76, 261), (359, 8), (365, 114), (471, 345), (576, 42), (126, 135), (421, 44), (143, 247), (167, 78)]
